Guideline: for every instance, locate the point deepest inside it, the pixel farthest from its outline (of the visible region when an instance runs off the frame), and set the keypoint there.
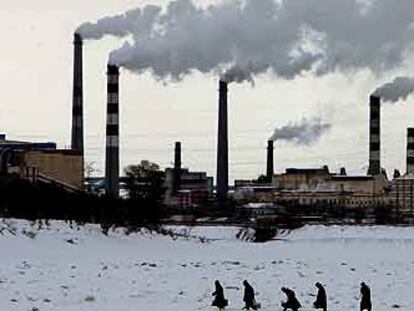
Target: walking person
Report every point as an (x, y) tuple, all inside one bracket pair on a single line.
[(248, 297), (321, 301), (292, 302), (365, 298), (219, 300)]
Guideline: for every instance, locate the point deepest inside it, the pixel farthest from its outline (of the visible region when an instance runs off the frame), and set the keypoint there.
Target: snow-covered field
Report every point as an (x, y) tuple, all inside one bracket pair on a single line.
[(59, 268)]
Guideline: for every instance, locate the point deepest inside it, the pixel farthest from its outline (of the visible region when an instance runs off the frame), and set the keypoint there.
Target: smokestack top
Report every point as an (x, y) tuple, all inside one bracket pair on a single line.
[(410, 131), (77, 39), (270, 143), (177, 155), (374, 100), (113, 69), (223, 85)]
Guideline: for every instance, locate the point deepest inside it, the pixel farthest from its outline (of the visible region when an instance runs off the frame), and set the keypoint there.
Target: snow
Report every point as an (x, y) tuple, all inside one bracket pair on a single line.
[(60, 268)]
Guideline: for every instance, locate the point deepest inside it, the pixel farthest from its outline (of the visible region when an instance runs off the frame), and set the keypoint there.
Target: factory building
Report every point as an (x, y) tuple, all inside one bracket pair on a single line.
[(319, 187), (41, 162), (402, 188), (320, 179), (334, 199), (402, 194), (296, 179), (184, 188)]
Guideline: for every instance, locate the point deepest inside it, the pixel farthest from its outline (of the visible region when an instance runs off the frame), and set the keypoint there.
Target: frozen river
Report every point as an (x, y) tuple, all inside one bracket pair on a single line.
[(59, 268)]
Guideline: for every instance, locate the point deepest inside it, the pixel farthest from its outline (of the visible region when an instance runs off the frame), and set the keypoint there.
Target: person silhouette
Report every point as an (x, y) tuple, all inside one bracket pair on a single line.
[(321, 301), (248, 297), (365, 297), (292, 302), (219, 301)]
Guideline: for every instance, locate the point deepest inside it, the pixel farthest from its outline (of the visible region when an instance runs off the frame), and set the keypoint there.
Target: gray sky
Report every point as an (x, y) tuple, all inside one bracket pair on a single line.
[(36, 80)]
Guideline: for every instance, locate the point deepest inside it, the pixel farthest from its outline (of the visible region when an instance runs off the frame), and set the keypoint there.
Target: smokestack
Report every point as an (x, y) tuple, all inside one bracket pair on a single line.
[(77, 98), (112, 133), (177, 166), (222, 145), (410, 151), (375, 136), (269, 169)]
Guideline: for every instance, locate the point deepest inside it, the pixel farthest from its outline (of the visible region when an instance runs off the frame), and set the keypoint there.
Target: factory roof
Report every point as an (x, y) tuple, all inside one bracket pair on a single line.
[(350, 178), (322, 170), (15, 144)]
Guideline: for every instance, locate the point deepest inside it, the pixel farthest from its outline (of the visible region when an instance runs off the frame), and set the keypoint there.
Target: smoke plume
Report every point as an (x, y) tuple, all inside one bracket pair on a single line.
[(397, 90), (306, 132), (237, 74), (251, 37)]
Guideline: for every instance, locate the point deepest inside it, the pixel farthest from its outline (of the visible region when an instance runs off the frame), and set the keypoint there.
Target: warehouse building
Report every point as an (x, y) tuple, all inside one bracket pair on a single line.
[(41, 162)]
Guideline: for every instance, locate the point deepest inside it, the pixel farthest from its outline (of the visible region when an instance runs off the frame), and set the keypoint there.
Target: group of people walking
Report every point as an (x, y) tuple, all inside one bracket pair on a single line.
[(292, 303)]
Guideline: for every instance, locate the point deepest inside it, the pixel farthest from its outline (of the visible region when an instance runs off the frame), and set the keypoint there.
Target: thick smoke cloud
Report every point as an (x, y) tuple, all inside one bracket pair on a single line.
[(250, 37), (397, 90), (307, 132)]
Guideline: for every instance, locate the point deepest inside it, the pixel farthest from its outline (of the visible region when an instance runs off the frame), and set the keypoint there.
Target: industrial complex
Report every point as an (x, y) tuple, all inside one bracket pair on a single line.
[(187, 189)]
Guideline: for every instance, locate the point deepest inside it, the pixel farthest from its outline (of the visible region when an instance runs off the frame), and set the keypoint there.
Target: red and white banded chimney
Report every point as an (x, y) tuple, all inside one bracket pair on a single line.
[(410, 151), (375, 136), (112, 133)]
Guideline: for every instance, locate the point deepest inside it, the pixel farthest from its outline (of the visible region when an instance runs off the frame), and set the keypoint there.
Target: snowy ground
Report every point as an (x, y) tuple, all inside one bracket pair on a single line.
[(41, 270)]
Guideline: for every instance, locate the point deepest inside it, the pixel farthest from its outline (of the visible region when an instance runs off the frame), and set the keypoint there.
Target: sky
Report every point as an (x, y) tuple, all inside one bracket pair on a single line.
[(36, 82)]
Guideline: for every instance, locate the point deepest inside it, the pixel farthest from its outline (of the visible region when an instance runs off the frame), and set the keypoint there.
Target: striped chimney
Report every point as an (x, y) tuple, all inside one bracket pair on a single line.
[(222, 145), (375, 136), (112, 133), (77, 98), (410, 151)]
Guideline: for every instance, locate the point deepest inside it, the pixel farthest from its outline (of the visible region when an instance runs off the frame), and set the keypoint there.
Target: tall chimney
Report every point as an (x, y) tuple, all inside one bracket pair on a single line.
[(177, 166), (77, 98), (270, 169), (112, 133), (222, 145), (375, 136), (410, 151)]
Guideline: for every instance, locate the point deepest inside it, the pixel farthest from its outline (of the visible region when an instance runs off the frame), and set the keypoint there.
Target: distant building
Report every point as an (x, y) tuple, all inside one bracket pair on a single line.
[(295, 179), (402, 194), (193, 187), (41, 162), (320, 187), (321, 180), (6, 144)]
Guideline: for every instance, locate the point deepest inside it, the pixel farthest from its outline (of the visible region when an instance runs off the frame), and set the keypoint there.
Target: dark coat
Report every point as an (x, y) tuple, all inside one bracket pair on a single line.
[(248, 296), (219, 300), (292, 302), (365, 297), (320, 302)]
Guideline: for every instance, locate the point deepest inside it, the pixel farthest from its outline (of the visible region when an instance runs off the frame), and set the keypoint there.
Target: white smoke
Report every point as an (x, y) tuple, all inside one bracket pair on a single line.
[(306, 132), (252, 37), (237, 74), (399, 89)]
